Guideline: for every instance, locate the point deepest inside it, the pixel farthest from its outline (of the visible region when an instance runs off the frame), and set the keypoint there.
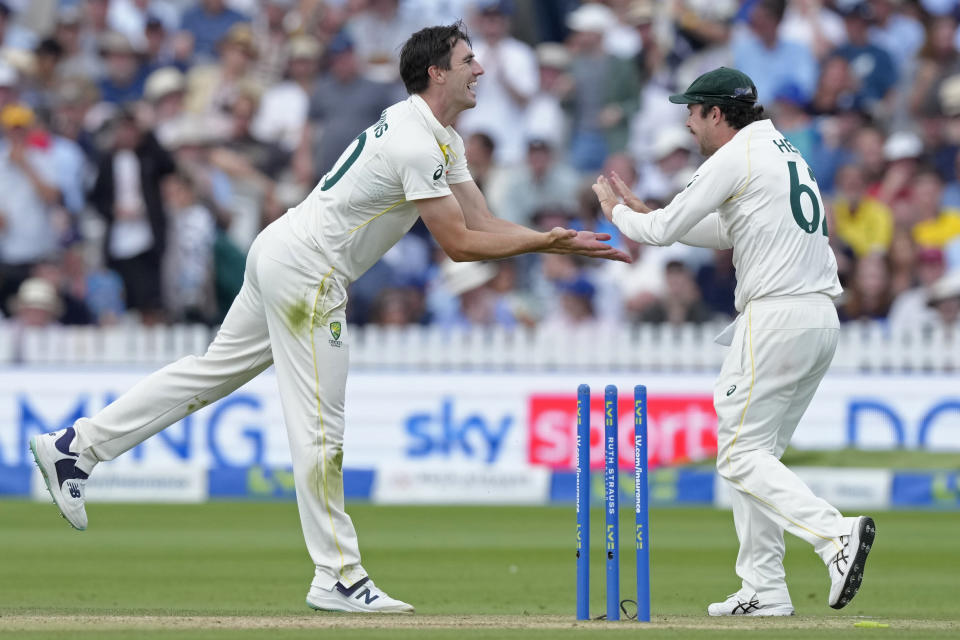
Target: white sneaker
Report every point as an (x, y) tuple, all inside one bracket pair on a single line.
[(362, 597), (65, 482), (748, 604), (846, 568)]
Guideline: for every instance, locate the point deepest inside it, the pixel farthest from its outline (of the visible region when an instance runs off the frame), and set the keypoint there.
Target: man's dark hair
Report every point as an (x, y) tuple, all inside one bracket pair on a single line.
[(737, 115), (426, 48)]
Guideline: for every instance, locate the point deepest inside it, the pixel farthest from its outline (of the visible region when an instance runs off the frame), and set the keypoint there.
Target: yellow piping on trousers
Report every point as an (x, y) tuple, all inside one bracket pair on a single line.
[(743, 418), (323, 434)]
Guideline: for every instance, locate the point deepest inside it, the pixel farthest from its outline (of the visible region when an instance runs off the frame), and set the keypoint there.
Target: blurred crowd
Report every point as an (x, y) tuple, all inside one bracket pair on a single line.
[(144, 143)]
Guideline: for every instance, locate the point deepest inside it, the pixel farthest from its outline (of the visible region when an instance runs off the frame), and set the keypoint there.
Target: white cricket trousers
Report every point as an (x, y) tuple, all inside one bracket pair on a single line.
[(289, 312), (781, 349)]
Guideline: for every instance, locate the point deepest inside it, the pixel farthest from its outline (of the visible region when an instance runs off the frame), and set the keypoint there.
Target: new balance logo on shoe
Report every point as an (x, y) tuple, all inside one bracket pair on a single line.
[(74, 490), (367, 596)]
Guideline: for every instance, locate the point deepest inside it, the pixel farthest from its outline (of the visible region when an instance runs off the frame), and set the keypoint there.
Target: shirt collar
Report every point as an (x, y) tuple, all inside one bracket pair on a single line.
[(443, 134)]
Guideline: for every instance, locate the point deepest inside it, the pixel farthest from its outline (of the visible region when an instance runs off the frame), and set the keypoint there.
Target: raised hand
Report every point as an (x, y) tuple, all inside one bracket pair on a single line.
[(606, 195), (629, 198), (584, 243)]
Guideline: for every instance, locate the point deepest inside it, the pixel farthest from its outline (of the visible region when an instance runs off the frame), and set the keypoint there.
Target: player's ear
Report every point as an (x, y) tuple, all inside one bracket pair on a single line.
[(436, 74)]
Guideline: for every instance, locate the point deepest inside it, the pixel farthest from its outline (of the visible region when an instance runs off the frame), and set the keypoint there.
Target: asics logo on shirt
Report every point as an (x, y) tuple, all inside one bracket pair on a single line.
[(438, 172)]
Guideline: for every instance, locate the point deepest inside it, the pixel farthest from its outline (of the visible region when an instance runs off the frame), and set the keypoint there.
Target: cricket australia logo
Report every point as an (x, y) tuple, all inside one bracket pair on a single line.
[(335, 328)]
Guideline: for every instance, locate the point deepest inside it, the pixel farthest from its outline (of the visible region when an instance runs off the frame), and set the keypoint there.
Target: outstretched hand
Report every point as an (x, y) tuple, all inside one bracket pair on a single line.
[(584, 243)]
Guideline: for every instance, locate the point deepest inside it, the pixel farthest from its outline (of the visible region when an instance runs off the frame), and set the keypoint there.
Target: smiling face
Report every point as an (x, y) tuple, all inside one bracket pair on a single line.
[(461, 78)]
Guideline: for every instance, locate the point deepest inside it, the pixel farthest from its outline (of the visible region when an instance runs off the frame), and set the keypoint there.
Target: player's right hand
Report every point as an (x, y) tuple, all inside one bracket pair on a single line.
[(584, 243)]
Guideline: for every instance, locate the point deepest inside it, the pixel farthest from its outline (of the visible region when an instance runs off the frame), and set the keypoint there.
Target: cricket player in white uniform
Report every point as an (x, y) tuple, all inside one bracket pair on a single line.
[(756, 194), (290, 311)]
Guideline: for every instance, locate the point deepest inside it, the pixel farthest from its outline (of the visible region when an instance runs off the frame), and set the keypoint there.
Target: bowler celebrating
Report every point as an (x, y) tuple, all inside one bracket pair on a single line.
[(290, 311), (756, 194)]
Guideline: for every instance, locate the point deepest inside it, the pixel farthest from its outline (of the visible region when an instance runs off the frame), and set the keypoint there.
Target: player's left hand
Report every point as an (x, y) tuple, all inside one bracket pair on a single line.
[(606, 195)]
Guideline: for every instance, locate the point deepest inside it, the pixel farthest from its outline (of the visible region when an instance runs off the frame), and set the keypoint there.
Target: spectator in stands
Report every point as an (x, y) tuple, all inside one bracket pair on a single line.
[(910, 307), (73, 307), (576, 308), (769, 60), (510, 80), (944, 298), (934, 226), (28, 182), (126, 194), (605, 93), (253, 167), (38, 89), (9, 85), (861, 221), (898, 32), (836, 89), (872, 66), (72, 102), (717, 281), (790, 115), (542, 181), (378, 31), (868, 143), (271, 37), (477, 304), (480, 152), (212, 87), (165, 48), (681, 301), (544, 116), (392, 307), (285, 106), (868, 295), (702, 37), (902, 151), (209, 22), (188, 261), (813, 25), (671, 167), (343, 104), (124, 74), (13, 35), (78, 40), (937, 59), (36, 304), (165, 92), (131, 17)]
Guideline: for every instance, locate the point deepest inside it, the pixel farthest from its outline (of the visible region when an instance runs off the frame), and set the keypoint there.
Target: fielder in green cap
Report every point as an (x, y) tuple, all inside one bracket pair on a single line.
[(756, 194)]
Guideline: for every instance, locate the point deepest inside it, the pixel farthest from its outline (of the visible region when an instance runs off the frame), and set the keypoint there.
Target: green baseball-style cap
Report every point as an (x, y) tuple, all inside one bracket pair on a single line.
[(720, 86)]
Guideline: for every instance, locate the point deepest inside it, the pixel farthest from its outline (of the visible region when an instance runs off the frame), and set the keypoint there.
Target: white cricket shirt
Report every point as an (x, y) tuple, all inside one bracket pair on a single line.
[(757, 195), (364, 205)]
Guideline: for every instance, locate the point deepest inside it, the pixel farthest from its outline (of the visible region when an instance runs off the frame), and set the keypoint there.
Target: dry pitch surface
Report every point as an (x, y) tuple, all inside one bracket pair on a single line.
[(20, 623)]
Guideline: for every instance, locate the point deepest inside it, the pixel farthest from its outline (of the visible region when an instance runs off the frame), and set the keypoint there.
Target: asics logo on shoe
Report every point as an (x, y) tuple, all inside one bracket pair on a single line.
[(746, 607)]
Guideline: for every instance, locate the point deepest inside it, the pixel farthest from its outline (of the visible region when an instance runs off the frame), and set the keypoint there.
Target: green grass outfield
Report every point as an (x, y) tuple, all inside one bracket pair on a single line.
[(240, 570)]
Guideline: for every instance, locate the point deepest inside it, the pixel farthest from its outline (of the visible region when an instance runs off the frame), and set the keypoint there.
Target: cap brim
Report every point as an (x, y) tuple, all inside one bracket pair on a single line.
[(683, 98)]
